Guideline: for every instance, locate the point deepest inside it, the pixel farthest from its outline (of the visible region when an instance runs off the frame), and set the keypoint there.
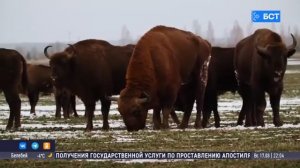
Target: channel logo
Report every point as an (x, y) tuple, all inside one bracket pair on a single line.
[(22, 145), (265, 16)]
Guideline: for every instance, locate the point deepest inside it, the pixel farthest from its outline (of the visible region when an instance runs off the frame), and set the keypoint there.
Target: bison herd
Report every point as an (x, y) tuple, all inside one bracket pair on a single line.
[(167, 70)]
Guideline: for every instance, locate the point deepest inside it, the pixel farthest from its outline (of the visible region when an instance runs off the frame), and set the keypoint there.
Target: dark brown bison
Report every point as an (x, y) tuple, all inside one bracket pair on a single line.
[(221, 78), (92, 70), (260, 62), (65, 100), (162, 60), (13, 79), (39, 81)]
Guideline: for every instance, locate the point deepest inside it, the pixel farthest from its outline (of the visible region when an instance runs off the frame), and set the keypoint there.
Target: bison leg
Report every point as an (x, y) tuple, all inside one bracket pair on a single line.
[(89, 110), (66, 101), (186, 114), (242, 115), (260, 108), (156, 118), (275, 104), (185, 120), (58, 103), (73, 105), (217, 118), (66, 105), (175, 117), (247, 108), (33, 99), (105, 105), (166, 113), (14, 102), (206, 115), (210, 104), (198, 115)]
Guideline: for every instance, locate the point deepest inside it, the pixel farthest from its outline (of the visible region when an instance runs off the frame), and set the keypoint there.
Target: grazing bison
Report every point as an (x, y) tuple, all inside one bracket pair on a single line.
[(39, 80), (13, 79), (221, 78), (92, 70), (260, 62), (162, 59)]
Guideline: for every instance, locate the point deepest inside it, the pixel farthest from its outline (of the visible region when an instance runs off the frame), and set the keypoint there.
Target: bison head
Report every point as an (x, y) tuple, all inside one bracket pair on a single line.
[(133, 110), (61, 65), (275, 56)]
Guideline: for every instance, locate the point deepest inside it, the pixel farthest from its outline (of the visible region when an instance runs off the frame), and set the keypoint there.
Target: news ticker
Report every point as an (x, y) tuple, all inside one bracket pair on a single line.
[(45, 149), (152, 155)]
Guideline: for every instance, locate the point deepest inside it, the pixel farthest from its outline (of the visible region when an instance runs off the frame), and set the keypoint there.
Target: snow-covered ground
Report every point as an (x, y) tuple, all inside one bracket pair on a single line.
[(66, 130)]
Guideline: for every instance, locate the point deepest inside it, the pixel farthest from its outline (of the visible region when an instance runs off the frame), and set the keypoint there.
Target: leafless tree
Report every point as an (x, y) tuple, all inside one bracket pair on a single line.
[(236, 34), (196, 27), (125, 36), (210, 33)]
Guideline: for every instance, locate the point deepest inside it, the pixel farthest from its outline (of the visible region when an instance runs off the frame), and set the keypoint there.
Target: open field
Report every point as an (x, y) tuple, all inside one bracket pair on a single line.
[(70, 136)]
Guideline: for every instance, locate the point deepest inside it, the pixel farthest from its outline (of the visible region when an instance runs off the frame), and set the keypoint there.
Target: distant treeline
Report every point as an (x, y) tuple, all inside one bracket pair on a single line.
[(34, 51)]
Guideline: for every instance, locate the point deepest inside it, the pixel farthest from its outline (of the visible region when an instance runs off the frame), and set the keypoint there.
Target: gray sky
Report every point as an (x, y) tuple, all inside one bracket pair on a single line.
[(73, 20)]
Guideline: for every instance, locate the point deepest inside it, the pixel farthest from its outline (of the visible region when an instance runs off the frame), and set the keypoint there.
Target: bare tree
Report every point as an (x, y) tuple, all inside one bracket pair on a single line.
[(273, 26), (210, 33), (282, 31), (249, 28), (33, 53), (21, 50), (236, 34), (125, 36), (196, 27)]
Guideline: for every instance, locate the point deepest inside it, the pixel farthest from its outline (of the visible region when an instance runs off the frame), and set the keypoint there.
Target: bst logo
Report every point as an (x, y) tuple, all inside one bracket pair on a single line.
[(265, 16)]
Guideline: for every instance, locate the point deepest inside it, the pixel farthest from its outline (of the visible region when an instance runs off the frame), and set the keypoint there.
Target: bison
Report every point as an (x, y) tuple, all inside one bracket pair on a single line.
[(66, 100), (162, 60), (13, 79), (221, 78), (260, 62), (93, 70), (39, 81)]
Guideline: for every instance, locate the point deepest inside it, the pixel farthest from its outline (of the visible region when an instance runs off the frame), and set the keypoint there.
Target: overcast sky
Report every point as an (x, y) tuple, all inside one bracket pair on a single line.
[(73, 20)]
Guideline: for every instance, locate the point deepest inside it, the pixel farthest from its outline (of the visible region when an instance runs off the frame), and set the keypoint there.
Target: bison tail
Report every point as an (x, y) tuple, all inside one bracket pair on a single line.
[(24, 76)]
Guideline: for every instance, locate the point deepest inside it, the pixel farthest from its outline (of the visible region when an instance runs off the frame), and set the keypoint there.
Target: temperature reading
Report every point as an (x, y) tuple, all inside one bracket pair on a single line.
[(41, 156)]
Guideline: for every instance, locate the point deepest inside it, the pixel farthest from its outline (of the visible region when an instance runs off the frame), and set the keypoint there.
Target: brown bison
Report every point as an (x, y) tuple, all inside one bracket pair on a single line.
[(39, 81), (260, 62), (66, 100), (92, 70), (13, 79), (221, 78), (162, 60)]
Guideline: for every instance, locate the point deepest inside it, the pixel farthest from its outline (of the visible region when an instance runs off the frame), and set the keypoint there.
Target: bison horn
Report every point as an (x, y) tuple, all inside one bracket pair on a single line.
[(73, 49), (293, 46), (45, 51)]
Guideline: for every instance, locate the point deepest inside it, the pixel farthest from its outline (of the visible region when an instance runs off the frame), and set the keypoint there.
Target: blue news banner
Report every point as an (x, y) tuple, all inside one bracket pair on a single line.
[(45, 149)]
